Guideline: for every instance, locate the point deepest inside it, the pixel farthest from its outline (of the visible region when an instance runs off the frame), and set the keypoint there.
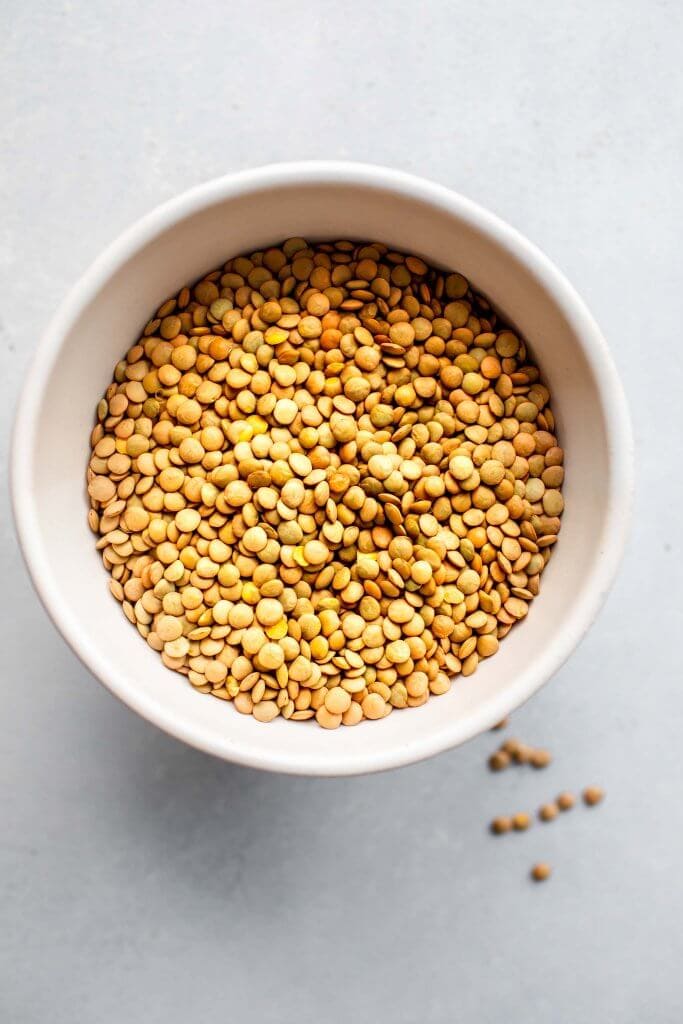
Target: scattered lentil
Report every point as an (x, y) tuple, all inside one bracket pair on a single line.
[(540, 758), (548, 812), (541, 871), (499, 760), (513, 749)]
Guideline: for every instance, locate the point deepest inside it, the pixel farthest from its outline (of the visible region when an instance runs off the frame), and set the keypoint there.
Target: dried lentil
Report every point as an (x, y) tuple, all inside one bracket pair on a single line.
[(540, 872), (540, 758), (324, 480), (566, 801), (499, 760)]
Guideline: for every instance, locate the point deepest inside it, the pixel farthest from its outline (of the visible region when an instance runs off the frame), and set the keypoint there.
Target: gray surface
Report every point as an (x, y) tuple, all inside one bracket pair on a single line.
[(142, 881)]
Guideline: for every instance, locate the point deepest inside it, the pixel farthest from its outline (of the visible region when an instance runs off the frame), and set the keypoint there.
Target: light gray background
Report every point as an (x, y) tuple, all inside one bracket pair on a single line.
[(143, 881)]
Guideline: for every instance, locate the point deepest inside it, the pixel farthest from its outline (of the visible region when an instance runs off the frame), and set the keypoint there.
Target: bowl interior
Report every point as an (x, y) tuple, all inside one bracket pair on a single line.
[(103, 316)]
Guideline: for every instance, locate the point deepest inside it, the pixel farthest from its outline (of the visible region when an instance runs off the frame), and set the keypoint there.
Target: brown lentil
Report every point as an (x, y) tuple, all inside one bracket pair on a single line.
[(540, 758), (499, 760), (548, 812), (324, 480), (566, 801)]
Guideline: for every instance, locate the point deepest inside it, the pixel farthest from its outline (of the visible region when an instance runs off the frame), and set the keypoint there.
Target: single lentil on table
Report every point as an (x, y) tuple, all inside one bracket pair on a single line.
[(325, 481)]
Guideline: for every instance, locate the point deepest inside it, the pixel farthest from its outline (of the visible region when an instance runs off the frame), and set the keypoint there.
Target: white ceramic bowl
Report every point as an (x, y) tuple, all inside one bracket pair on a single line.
[(199, 230)]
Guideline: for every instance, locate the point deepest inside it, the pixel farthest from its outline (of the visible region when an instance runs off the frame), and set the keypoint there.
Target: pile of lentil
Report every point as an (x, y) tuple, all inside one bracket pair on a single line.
[(325, 481)]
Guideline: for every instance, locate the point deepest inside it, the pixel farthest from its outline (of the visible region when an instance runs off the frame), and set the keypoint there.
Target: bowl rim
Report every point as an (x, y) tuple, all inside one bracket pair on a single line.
[(588, 600)]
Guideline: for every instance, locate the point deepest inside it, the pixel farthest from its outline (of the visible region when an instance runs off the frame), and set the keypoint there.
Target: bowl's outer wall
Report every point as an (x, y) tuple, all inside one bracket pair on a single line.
[(87, 338)]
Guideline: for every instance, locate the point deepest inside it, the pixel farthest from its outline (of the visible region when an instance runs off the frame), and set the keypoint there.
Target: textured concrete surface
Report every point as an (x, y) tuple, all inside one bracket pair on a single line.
[(142, 881)]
